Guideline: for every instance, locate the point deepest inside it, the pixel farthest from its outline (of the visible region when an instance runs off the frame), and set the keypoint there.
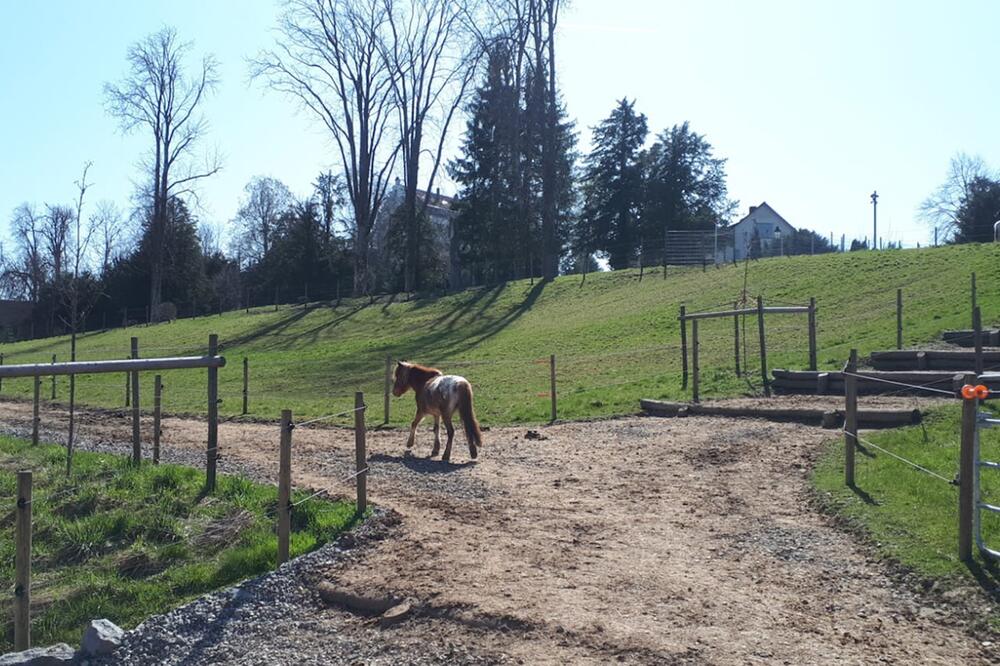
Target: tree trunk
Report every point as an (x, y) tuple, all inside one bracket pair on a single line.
[(412, 223)]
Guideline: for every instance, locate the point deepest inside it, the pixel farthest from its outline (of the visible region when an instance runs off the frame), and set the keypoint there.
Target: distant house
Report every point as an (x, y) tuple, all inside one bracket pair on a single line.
[(764, 223), (440, 213), (15, 320)]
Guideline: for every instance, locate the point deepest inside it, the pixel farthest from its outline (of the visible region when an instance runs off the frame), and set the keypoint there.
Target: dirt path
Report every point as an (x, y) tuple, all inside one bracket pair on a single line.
[(638, 540)]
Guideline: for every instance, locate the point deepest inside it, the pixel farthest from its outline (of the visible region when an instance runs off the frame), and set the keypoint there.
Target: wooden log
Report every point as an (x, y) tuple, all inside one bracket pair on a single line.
[(22, 563)]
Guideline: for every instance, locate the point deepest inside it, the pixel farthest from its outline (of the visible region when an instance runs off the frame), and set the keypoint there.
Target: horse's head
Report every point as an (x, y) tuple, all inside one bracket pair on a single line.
[(402, 378)]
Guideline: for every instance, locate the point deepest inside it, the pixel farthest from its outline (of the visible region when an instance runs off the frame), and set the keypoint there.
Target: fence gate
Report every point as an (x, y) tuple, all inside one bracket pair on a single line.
[(983, 420)]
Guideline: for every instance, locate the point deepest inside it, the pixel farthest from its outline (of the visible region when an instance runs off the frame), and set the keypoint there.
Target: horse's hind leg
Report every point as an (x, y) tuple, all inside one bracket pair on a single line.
[(451, 435), (413, 430), (437, 436)]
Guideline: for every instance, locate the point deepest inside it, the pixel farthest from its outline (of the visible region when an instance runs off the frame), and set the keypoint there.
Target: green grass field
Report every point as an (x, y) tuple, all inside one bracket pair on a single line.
[(911, 516), (616, 338), (125, 543)]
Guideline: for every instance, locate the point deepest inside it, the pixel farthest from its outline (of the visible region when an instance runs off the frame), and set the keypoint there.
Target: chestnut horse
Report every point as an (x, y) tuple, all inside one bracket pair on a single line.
[(440, 396)]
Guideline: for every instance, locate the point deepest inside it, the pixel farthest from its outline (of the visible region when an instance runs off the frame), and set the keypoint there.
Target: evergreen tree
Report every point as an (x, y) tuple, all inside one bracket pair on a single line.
[(613, 186), (685, 186)]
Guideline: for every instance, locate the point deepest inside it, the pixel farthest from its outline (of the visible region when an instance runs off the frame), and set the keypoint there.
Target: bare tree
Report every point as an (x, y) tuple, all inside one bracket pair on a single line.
[(942, 209), (430, 50), (160, 96), (329, 59), (329, 189), (108, 227), (265, 200), (57, 229), (25, 272), (77, 314)]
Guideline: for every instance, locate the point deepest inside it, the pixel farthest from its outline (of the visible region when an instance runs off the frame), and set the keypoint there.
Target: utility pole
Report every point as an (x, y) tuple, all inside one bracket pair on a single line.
[(875, 219)]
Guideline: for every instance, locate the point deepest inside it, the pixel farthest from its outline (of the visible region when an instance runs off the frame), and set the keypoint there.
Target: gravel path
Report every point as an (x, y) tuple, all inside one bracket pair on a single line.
[(636, 540)]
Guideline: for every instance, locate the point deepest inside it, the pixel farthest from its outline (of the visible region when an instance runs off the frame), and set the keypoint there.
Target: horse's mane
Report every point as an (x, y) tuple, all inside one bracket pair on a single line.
[(422, 373)]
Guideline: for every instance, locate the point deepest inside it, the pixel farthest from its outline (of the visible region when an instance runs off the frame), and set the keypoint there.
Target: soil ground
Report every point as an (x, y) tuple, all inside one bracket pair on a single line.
[(637, 540)]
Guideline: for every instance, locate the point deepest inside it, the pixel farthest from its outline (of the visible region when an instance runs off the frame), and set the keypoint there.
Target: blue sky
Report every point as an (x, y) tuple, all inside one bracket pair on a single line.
[(814, 104)]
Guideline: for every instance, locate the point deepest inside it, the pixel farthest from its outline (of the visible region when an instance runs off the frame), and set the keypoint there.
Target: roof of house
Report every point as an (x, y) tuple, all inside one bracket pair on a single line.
[(763, 204)]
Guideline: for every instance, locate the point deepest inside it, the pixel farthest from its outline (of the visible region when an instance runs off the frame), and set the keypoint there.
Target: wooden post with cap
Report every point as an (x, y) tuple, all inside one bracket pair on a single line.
[(850, 416), (284, 486)]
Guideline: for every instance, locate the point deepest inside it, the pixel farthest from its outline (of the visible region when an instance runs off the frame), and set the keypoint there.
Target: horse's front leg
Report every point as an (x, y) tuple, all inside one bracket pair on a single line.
[(437, 436), (413, 429)]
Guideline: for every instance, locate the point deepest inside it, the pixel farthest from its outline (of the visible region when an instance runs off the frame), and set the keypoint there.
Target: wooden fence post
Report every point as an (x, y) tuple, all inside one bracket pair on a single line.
[(22, 564), (736, 337), (966, 474), (53, 379), (34, 410), (977, 327), (974, 303), (695, 375), (684, 349), (284, 486), (552, 385), (213, 416), (246, 384), (1, 378), (276, 299), (813, 361), (851, 416), (157, 406), (899, 319), (360, 453), (136, 436), (388, 385), (763, 347)]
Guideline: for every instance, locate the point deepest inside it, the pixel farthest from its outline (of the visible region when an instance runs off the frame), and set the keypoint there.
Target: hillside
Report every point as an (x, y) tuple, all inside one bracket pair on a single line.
[(616, 337)]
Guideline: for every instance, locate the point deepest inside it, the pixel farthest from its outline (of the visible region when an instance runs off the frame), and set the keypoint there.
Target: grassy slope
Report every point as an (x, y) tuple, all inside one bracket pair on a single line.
[(910, 515), (124, 543), (616, 337)]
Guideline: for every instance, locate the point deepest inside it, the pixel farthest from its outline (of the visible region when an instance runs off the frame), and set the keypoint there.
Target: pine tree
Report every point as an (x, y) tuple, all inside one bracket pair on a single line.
[(613, 186), (685, 186)]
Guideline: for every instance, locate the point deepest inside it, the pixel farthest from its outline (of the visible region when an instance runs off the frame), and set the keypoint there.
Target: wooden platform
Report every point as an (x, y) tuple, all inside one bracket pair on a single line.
[(867, 418)]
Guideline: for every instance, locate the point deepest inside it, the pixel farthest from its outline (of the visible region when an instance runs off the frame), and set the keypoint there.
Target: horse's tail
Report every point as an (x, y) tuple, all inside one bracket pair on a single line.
[(465, 410)]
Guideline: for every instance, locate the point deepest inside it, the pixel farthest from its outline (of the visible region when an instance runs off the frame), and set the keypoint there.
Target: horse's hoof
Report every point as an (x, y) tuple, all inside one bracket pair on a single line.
[(473, 452), (445, 459)]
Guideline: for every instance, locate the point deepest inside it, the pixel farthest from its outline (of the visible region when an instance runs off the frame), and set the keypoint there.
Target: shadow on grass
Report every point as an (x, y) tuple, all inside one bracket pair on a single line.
[(421, 465), (863, 496)]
